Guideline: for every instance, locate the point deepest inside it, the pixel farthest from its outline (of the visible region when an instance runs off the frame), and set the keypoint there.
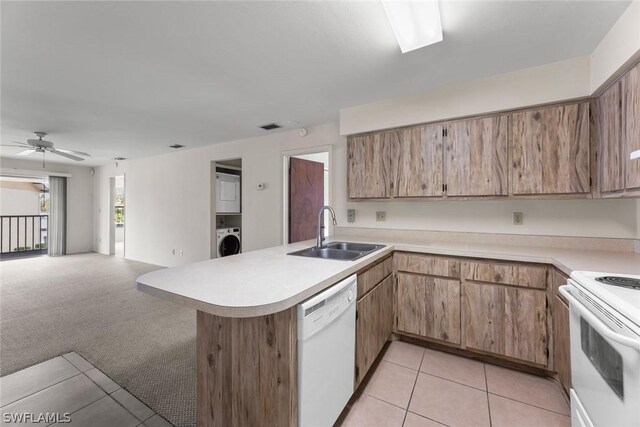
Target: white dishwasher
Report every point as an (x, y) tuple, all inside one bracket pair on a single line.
[(326, 354)]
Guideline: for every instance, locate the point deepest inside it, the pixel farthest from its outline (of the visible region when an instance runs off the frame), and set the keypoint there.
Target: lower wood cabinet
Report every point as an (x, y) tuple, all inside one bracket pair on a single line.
[(506, 321), (561, 340), (562, 343), (429, 307), (374, 325)]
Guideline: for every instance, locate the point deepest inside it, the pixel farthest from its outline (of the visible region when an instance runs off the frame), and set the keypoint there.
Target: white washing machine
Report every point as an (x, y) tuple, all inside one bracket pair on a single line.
[(228, 241)]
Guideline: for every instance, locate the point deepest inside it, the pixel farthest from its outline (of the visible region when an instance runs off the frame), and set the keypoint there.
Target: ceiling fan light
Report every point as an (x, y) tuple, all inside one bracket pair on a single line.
[(415, 24)]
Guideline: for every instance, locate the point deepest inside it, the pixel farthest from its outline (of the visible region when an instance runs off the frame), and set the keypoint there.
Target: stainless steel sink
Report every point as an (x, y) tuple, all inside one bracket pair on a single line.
[(360, 247), (344, 251)]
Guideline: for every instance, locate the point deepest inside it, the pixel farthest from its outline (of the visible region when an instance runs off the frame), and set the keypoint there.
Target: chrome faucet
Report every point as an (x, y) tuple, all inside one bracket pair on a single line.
[(320, 236)]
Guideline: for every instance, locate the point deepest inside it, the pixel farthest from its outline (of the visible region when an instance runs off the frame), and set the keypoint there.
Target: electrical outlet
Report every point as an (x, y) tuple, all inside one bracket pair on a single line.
[(517, 218), (181, 253), (381, 216), (351, 215)]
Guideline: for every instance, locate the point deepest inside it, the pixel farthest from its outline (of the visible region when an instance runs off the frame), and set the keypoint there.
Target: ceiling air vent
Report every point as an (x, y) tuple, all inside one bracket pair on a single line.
[(176, 146), (119, 158), (270, 126)]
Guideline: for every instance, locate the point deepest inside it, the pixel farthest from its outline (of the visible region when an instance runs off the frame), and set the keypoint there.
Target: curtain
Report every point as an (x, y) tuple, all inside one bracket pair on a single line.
[(57, 232)]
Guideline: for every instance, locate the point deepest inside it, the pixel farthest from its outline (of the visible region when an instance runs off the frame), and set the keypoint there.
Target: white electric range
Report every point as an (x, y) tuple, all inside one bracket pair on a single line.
[(605, 348)]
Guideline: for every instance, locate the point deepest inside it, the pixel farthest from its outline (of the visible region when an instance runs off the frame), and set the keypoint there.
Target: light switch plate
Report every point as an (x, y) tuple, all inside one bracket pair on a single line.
[(351, 215), (517, 218), (381, 216)]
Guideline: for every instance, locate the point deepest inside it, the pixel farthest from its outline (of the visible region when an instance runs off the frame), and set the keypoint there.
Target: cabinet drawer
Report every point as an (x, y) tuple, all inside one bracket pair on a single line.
[(428, 264), (526, 276), (369, 278)]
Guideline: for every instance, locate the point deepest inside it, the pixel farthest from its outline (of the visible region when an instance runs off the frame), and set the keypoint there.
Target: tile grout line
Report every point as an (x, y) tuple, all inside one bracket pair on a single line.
[(486, 384), (126, 409), (88, 404), (530, 404), (402, 366), (452, 381), (427, 418), (413, 388), (42, 389)]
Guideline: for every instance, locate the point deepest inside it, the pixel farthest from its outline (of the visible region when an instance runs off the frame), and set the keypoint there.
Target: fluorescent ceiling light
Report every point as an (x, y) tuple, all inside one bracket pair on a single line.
[(416, 24)]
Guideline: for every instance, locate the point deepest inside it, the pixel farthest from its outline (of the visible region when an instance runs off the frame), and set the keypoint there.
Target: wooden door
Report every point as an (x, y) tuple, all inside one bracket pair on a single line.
[(506, 321), (306, 197), (609, 125), (369, 165), (476, 157), (374, 324), (429, 307), (631, 114), (417, 162), (550, 150)]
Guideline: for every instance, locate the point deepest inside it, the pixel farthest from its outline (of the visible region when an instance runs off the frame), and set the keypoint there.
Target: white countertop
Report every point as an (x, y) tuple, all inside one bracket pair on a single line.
[(267, 281)]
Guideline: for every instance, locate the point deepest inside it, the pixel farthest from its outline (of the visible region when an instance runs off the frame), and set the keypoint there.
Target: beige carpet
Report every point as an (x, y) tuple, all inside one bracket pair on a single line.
[(88, 304)]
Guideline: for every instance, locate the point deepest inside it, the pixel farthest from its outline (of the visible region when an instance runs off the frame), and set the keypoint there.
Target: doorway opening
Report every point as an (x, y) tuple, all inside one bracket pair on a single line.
[(117, 216), (306, 182), (226, 208), (24, 216)]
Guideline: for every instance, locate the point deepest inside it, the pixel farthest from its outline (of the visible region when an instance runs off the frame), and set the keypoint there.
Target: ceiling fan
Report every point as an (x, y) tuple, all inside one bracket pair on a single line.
[(41, 146)]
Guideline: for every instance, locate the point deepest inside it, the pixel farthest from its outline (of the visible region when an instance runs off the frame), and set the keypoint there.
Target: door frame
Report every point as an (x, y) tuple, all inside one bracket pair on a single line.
[(286, 155), (112, 220)]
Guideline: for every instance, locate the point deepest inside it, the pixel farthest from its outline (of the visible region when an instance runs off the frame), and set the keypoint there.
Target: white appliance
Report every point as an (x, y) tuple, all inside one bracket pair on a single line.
[(227, 193), (326, 354), (228, 241), (605, 348)]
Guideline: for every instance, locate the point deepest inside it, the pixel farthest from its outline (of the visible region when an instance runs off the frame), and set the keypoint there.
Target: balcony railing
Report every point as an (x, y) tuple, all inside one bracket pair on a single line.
[(22, 235)]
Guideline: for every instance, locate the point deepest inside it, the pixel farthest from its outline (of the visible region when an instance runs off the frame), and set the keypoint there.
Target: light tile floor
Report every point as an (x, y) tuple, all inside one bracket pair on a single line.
[(69, 384), (417, 387)]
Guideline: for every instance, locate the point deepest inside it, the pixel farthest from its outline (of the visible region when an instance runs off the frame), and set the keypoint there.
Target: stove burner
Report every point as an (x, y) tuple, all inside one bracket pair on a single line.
[(625, 282)]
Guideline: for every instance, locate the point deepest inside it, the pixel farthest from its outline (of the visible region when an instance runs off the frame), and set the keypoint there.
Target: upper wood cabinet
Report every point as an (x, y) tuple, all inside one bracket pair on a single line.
[(550, 150), (369, 165), (631, 124), (476, 157), (417, 162), (609, 127)]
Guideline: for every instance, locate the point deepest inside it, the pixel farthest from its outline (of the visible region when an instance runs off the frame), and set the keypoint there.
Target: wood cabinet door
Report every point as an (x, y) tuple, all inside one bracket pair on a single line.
[(562, 343), (609, 125), (550, 150), (374, 324), (476, 157), (631, 117), (369, 164), (429, 307), (417, 162), (506, 321)]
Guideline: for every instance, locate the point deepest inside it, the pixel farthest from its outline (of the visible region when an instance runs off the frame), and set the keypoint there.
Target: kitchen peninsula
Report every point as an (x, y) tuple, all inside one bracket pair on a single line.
[(246, 319)]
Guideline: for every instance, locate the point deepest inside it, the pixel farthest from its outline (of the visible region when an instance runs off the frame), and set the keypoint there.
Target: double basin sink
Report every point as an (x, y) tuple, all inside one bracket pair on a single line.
[(344, 251)]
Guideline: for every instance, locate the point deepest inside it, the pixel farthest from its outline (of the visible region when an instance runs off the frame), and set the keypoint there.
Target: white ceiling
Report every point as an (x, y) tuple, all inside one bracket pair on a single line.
[(130, 78)]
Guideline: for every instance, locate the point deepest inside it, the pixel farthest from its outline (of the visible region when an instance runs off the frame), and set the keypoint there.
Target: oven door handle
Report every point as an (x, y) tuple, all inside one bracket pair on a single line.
[(597, 323)]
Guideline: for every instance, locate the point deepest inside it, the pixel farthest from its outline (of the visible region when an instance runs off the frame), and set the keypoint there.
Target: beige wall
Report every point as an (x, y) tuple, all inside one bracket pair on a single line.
[(79, 199), (168, 196), (619, 49), (538, 85)]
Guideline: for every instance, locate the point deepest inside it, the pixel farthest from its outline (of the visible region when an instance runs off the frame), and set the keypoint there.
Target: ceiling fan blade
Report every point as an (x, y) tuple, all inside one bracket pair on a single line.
[(79, 153), (25, 152), (22, 144), (69, 156), (16, 146)]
